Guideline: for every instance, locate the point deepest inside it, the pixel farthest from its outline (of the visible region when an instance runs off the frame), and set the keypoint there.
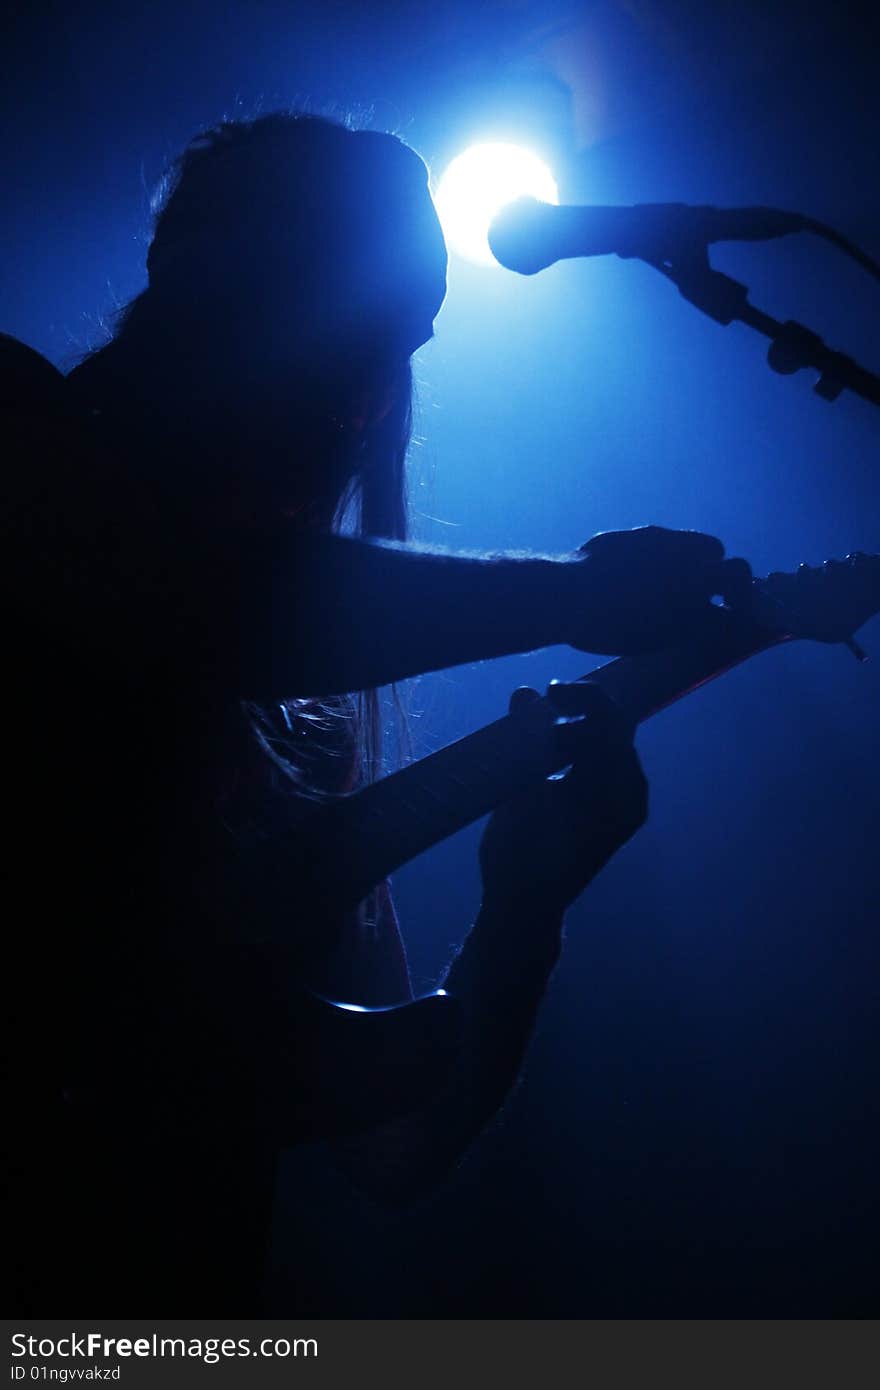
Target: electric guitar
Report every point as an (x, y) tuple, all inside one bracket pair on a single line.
[(347, 847)]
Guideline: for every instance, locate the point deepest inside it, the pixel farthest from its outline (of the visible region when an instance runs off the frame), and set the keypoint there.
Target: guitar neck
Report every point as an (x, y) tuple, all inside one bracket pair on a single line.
[(644, 685), (362, 839)]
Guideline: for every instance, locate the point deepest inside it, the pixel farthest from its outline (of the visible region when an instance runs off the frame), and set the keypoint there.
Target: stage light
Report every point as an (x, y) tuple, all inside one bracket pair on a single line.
[(477, 184)]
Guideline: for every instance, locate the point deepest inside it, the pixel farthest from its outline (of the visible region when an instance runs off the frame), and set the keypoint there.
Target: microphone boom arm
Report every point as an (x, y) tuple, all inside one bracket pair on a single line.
[(674, 238), (792, 346)]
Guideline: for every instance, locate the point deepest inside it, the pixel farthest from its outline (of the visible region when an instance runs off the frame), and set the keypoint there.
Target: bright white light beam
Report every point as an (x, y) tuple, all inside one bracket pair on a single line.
[(478, 184)]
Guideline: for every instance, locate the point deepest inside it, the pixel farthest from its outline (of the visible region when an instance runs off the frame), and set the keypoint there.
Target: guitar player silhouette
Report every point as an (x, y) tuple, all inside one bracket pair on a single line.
[(208, 582)]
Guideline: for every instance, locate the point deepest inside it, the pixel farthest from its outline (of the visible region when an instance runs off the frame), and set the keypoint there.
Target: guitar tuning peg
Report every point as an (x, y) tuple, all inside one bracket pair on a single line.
[(857, 650)]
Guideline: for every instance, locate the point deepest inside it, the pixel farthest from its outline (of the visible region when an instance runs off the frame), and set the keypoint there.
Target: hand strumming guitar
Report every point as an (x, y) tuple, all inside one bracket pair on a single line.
[(540, 850), (538, 853)]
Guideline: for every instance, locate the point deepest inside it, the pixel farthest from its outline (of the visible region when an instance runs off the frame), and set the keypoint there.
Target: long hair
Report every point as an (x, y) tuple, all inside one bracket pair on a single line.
[(301, 261)]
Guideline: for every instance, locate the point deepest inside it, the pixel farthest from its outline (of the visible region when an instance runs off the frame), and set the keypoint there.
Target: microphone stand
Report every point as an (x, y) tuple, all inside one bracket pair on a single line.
[(792, 346)]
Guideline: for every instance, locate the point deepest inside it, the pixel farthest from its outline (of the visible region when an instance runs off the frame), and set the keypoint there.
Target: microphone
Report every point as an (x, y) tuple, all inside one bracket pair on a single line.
[(527, 236)]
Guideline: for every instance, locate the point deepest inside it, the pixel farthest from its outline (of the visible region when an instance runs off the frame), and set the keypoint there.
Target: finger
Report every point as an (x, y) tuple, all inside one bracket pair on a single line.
[(732, 580), (572, 698), (607, 719), (523, 700), (692, 547), (532, 713), (660, 542), (597, 719)]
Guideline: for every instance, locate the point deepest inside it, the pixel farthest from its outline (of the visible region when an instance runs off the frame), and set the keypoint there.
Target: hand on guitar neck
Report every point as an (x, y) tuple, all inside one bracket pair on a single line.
[(650, 588)]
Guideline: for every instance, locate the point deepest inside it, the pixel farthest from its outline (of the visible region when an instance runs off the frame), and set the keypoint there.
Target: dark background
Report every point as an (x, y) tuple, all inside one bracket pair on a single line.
[(696, 1131)]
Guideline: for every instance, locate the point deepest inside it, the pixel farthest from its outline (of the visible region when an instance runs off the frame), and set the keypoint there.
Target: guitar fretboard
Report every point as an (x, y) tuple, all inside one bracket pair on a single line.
[(367, 836), (643, 685)]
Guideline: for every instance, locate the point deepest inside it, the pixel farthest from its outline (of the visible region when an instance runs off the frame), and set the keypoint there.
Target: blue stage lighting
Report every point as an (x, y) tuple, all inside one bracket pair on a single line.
[(477, 184)]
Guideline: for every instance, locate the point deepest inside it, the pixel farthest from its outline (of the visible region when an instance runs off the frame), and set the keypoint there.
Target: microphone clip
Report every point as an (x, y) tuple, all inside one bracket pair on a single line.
[(714, 293)]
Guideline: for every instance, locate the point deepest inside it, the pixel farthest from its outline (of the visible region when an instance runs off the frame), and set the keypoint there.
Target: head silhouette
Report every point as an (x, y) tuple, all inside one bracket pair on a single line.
[(321, 240), (295, 266)]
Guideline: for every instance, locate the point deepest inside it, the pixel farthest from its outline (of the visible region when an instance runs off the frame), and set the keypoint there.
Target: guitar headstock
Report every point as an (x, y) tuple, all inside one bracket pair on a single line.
[(827, 603)]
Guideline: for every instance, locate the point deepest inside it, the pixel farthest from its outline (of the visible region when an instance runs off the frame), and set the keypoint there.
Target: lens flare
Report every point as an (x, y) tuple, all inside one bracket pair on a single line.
[(477, 184)]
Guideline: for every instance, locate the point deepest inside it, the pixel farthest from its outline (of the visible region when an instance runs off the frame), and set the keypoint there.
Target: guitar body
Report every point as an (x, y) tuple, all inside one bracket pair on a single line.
[(354, 1068)]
